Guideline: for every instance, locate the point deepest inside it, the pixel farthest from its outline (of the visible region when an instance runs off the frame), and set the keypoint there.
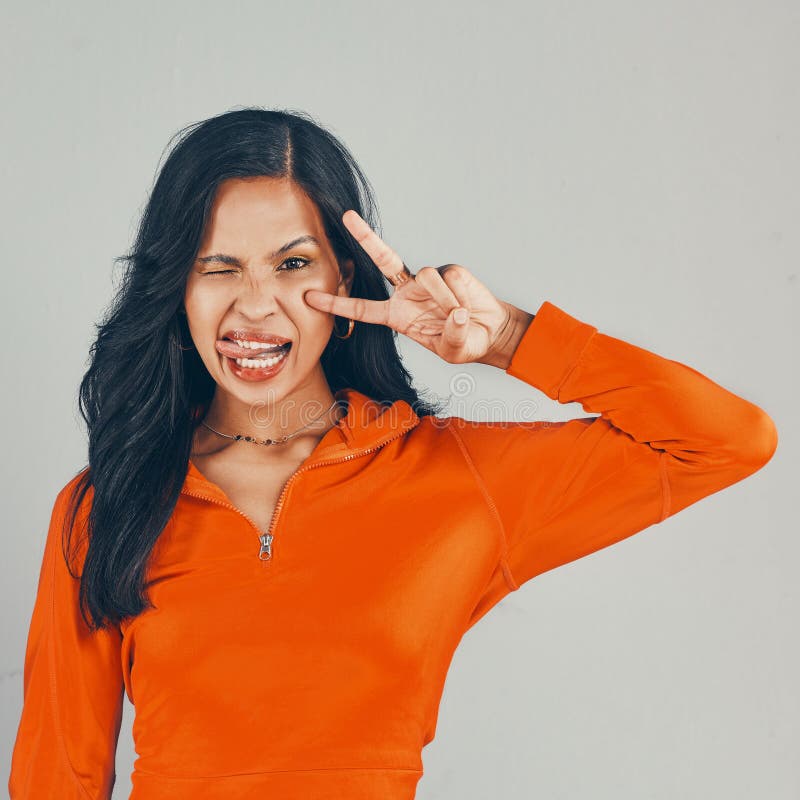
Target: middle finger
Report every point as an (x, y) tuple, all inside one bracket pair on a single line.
[(430, 278)]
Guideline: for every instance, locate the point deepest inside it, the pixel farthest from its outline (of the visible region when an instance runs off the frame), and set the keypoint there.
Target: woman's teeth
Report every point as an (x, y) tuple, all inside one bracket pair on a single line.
[(255, 345), (261, 363)]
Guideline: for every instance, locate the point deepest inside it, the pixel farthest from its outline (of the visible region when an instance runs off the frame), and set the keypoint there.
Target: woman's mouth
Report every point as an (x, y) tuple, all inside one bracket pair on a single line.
[(253, 361)]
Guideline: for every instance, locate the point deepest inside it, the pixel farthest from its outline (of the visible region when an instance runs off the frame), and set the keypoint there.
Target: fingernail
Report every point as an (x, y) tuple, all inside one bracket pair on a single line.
[(460, 315)]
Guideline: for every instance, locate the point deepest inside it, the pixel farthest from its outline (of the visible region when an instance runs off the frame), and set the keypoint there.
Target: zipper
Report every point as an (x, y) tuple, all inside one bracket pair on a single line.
[(265, 539)]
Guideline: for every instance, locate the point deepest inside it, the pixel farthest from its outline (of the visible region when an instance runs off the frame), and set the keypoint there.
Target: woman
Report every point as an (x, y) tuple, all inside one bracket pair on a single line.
[(282, 543)]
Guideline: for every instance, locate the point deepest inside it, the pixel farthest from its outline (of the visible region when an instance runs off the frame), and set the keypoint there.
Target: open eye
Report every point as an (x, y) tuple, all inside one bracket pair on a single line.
[(301, 261)]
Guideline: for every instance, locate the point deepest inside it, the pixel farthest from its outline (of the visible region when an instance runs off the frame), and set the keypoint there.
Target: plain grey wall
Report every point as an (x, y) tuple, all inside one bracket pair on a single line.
[(634, 163)]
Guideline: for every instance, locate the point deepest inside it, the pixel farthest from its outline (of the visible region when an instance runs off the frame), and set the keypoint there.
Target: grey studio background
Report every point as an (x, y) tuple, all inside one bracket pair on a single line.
[(634, 163)]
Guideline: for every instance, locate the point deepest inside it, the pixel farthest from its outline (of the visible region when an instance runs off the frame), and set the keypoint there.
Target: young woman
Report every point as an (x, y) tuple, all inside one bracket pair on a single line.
[(276, 545)]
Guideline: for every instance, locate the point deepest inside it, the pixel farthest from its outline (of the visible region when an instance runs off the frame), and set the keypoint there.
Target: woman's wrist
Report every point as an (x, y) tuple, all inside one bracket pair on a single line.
[(502, 351)]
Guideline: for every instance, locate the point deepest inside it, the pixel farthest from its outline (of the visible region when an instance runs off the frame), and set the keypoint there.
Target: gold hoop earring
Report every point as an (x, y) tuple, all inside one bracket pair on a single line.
[(350, 329)]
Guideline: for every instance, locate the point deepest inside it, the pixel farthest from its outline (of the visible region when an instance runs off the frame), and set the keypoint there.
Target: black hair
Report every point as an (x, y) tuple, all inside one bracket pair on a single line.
[(142, 395)]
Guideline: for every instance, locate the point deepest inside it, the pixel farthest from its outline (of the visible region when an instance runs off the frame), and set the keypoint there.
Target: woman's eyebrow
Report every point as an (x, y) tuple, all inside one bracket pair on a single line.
[(232, 260)]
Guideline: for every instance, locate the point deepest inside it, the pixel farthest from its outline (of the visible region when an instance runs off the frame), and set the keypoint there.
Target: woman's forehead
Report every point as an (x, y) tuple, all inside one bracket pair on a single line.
[(261, 215)]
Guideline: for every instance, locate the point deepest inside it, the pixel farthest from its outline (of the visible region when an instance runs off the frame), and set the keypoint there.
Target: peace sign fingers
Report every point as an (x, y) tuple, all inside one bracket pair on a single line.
[(445, 309)]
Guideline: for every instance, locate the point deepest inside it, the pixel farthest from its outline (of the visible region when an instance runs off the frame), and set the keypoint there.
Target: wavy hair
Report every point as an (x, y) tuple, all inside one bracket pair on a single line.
[(142, 395)]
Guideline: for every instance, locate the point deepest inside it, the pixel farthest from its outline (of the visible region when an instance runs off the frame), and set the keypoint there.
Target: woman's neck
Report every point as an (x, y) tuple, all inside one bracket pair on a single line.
[(308, 419)]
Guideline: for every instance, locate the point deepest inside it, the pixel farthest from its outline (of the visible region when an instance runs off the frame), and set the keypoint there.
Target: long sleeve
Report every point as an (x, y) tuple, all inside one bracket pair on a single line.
[(666, 437), (72, 690)]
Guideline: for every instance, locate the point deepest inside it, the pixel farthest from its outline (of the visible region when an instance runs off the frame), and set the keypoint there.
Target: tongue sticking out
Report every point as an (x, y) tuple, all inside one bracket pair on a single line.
[(232, 350)]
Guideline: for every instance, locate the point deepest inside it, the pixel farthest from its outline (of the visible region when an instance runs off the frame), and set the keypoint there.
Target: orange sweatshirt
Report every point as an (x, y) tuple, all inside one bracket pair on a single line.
[(318, 672)]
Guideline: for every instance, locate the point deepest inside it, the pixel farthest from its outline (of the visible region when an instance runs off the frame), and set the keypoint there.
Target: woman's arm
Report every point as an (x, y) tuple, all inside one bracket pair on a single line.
[(72, 686), (667, 437)]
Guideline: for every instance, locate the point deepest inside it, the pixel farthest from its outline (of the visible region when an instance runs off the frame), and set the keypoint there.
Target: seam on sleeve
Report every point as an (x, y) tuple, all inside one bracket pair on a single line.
[(578, 362), (665, 490), (509, 578), (54, 554)]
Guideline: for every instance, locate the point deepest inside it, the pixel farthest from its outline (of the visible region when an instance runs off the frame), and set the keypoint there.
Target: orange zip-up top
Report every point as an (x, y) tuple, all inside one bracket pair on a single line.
[(313, 666)]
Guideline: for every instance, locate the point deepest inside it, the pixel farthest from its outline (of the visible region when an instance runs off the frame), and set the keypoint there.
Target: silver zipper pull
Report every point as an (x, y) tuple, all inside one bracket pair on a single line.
[(266, 546)]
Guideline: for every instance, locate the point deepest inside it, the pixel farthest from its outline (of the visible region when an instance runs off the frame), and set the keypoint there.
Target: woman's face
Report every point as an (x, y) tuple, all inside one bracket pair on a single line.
[(264, 246)]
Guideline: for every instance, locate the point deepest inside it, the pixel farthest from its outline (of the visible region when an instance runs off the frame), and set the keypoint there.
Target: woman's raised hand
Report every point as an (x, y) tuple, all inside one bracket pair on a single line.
[(426, 307)]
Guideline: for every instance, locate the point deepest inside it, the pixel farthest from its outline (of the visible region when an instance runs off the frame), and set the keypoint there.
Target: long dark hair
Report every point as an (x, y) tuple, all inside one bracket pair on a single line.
[(142, 395)]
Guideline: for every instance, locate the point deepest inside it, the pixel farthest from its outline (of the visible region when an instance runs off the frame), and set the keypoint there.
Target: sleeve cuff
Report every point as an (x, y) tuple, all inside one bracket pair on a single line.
[(549, 349)]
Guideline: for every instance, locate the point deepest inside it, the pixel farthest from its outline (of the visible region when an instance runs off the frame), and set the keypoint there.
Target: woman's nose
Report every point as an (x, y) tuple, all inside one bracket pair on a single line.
[(257, 297)]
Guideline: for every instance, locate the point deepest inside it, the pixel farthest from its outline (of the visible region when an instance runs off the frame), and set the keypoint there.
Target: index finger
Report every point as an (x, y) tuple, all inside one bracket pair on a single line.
[(384, 258)]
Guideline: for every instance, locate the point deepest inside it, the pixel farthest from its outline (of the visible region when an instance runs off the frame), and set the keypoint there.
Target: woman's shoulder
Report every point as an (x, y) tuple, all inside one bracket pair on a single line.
[(71, 486), (489, 440), (69, 494), (454, 423)]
